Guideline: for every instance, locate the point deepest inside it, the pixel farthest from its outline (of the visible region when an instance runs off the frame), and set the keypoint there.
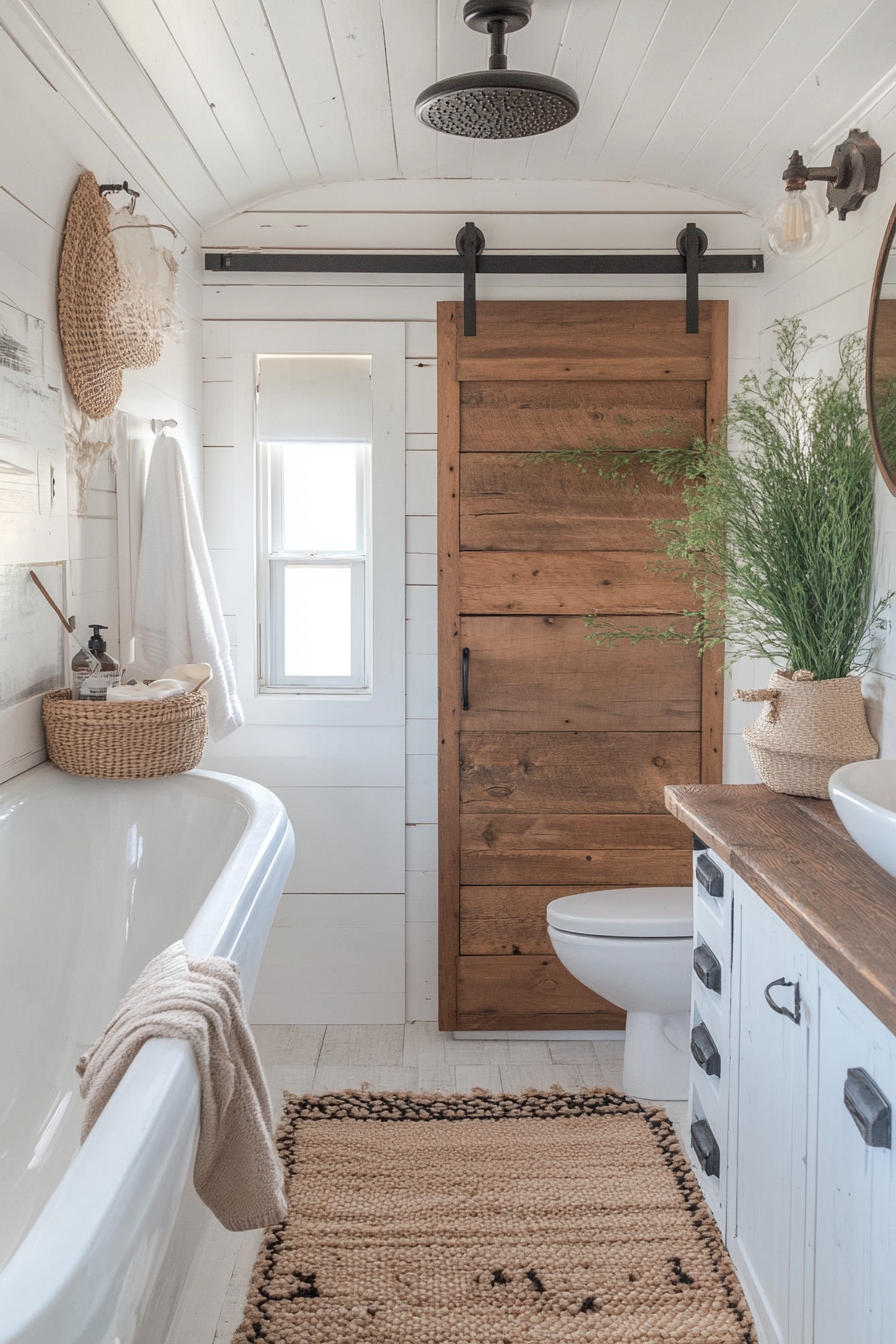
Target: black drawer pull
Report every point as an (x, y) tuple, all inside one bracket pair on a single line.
[(708, 968), (703, 1142), (465, 677), (785, 1012), (868, 1107), (711, 878), (706, 1052)]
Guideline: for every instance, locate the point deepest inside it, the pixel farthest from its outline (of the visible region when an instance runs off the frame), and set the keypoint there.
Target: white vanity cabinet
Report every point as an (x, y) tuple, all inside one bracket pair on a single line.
[(854, 1173), (775, 1022), (800, 1109)]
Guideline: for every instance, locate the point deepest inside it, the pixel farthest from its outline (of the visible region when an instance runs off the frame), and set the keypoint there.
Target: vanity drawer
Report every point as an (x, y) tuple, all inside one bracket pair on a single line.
[(713, 886), (713, 924), (710, 1028), (706, 1142)]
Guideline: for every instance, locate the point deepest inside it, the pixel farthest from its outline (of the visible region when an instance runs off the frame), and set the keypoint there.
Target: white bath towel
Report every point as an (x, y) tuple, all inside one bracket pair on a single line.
[(177, 613), (237, 1171)]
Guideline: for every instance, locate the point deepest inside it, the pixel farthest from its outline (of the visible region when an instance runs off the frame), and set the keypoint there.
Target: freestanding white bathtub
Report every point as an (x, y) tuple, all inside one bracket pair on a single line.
[(96, 877)]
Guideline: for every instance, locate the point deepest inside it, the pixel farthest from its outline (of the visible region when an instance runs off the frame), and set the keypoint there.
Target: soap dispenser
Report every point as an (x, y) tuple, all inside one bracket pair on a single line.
[(92, 683)]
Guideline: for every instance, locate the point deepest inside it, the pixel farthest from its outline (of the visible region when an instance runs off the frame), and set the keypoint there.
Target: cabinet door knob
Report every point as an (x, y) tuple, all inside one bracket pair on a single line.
[(705, 1147), (868, 1107), (705, 1051), (465, 677), (708, 968), (710, 876), (777, 1008)]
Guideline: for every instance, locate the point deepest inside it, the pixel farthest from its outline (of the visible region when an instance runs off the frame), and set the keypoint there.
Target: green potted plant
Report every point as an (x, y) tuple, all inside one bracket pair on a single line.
[(776, 542)]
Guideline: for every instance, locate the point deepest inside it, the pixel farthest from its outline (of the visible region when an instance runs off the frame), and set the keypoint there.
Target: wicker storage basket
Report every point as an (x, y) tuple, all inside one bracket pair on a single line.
[(807, 730), (140, 739)]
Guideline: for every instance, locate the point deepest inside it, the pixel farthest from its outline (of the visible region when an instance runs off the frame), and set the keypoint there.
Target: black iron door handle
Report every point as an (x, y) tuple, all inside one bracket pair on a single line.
[(465, 677), (785, 1012)]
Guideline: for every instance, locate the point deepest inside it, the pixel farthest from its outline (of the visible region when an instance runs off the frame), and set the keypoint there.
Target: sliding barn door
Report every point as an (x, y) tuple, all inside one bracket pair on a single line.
[(551, 778)]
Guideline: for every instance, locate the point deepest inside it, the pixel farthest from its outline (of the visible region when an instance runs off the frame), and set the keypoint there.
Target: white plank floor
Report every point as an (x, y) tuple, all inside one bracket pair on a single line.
[(416, 1057)]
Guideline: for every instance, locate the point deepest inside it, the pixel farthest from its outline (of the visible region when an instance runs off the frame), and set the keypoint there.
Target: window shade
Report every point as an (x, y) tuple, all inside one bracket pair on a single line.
[(314, 397)]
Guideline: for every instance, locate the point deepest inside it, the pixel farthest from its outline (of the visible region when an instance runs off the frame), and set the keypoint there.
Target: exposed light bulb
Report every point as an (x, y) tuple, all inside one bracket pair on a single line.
[(799, 226)]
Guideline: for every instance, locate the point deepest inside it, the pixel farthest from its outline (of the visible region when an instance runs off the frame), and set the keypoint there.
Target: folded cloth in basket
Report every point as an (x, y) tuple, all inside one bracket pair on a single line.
[(237, 1171)]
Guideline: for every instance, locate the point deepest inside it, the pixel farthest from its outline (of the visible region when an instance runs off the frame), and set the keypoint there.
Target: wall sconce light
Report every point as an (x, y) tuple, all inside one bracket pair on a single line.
[(800, 225)]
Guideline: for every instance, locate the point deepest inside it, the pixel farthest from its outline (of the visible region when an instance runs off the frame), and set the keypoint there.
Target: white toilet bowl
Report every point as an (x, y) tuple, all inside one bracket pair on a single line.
[(634, 947)]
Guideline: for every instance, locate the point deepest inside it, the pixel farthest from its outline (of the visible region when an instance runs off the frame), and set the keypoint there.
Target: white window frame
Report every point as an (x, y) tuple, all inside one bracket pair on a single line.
[(382, 700), (273, 560)]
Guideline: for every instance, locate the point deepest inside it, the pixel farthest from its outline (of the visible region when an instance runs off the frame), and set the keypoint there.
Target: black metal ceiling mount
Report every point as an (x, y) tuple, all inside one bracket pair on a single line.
[(470, 259)]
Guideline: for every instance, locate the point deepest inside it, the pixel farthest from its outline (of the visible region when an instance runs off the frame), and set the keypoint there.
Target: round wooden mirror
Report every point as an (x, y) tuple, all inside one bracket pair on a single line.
[(881, 360)]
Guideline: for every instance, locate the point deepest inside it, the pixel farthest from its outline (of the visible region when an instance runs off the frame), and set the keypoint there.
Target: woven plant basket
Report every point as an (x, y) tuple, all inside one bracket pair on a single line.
[(807, 730), (140, 739)]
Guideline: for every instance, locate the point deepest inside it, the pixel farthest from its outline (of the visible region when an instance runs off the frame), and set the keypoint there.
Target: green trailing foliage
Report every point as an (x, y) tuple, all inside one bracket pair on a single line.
[(885, 411), (776, 538)]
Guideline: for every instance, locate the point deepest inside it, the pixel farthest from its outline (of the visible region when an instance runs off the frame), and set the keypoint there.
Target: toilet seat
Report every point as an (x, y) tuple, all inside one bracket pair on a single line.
[(629, 912)]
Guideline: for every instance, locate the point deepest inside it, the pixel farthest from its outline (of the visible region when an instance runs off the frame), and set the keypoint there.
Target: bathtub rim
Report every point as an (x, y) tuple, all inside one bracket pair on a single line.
[(71, 1267)]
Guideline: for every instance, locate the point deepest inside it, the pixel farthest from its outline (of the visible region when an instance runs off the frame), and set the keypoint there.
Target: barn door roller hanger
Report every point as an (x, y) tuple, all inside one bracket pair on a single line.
[(690, 258)]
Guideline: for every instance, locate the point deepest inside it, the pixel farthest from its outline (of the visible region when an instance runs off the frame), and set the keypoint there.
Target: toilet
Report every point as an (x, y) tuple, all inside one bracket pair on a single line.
[(634, 947)]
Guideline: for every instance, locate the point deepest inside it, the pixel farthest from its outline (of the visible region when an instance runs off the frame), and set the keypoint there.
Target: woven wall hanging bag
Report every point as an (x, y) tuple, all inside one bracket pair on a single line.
[(807, 730), (99, 335)]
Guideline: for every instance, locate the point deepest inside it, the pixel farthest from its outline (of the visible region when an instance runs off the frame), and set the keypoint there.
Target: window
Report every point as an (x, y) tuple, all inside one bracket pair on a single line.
[(294, 383), (314, 418)]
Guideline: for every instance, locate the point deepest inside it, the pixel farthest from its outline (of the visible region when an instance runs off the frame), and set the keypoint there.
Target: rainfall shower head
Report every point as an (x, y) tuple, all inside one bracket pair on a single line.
[(497, 103)]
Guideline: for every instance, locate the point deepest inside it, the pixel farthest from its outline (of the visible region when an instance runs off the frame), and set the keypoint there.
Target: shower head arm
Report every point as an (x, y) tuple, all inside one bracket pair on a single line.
[(498, 30)]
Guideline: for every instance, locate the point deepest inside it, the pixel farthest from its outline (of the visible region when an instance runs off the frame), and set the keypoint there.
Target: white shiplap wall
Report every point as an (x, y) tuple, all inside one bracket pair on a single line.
[(335, 953), (831, 293), (53, 131)]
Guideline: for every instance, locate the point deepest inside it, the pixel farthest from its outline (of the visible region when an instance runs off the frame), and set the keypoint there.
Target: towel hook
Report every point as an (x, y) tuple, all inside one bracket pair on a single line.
[(107, 187), (159, 426)]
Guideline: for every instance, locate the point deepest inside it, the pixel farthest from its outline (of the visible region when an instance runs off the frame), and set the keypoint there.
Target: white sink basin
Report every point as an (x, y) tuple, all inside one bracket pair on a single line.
[(864, 795)]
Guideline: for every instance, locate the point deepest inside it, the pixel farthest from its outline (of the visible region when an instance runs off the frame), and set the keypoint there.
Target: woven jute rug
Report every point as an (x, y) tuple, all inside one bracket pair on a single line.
[(489, 1219)]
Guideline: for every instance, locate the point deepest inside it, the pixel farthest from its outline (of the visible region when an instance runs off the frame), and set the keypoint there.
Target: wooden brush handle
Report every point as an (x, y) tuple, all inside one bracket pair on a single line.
[(68, 625)]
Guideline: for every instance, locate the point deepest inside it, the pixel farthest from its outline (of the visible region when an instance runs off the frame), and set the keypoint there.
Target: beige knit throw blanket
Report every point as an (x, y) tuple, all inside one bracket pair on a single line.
[(237, 1171)]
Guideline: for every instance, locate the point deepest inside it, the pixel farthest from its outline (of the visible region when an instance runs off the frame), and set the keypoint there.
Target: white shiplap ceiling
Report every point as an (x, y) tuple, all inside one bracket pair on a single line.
[(236, 101)]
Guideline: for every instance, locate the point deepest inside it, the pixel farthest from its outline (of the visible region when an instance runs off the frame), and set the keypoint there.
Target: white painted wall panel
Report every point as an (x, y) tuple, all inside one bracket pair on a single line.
[(340, 1007), (219, 472), (422, 898), (422, 849), (53, 131), (421, 533), (421, 567), (320, 757), (505, 231), (422, 496), (326, 948), (423, 685), (422, 972), (422, 737), (347, 840), (422, 611), (421, 404), (422, 789)]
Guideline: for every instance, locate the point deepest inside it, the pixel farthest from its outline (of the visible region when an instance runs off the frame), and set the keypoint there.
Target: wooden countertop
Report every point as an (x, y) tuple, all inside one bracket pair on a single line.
[(796, 855)]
